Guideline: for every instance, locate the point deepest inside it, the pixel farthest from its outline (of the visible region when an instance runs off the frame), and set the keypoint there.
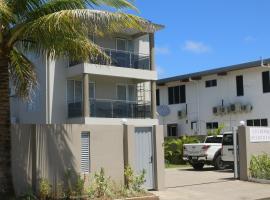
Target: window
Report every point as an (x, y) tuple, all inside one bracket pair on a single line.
[(227, 139), (177, 94), (193, 125), (121, 44), (211, 125), (157, 97), (213, 140), (126, 92), (85, 155), (74, 91), (211, 83), (239, 86), (257, 122), (92, 90), (172, 130), (266, 82), (121, 92)]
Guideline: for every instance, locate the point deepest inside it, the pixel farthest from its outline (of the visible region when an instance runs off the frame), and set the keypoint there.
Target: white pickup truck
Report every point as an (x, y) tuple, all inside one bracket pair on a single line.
[(209, 152)]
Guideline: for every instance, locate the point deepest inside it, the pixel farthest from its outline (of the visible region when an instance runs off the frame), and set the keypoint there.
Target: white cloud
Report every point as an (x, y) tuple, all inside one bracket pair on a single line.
[(196, 47), (249, 39), (161, 71), (162, 50)]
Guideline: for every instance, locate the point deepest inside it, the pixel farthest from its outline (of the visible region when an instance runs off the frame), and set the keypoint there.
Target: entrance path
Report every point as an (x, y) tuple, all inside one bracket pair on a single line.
[(187, 184)]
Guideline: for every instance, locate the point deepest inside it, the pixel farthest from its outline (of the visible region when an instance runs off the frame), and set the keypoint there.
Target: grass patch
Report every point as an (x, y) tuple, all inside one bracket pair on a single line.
[(171, 166)]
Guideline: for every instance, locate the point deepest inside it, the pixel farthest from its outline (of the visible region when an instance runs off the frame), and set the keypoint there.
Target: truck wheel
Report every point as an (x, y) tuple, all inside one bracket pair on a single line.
[(218, 163), (198, 166)]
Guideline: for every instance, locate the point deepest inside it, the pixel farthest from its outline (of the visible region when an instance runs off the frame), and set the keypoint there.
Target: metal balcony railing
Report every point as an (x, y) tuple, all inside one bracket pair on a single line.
[(120, 59), (102, 108)]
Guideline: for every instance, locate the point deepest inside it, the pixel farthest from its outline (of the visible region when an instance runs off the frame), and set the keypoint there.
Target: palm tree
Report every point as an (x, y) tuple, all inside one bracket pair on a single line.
[(54, 28)]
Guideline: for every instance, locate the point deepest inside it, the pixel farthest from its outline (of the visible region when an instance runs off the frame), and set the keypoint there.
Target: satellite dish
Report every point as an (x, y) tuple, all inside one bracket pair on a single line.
[(163, 110)]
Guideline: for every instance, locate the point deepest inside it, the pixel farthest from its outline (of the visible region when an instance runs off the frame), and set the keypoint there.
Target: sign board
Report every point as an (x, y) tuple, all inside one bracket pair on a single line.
[(259, 134)]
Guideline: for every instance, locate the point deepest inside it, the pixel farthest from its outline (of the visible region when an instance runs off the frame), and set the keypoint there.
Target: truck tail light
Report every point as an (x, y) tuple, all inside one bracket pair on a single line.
[(205, 147)]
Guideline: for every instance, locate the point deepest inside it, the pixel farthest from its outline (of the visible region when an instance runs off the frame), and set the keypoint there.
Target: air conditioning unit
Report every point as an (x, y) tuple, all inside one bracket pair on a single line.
[(223, 110), (235, 108), (182, 114), (215, 110), (246, 108)]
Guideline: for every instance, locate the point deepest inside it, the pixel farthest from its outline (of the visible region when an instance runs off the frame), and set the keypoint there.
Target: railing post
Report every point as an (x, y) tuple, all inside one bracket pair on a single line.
[(130, 64), (112, 108)]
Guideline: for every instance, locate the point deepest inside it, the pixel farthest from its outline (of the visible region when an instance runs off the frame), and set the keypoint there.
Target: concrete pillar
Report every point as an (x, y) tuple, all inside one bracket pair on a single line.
[(152, 51), (153, 68), (159, 166), (86, 105)]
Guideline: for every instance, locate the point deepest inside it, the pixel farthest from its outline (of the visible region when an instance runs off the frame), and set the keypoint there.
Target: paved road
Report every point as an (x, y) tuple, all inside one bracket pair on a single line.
[(187, 184)]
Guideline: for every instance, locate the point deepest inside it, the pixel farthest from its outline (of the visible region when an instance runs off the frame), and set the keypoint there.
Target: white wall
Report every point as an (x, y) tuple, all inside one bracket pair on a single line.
[(200, 101), (52, 88)]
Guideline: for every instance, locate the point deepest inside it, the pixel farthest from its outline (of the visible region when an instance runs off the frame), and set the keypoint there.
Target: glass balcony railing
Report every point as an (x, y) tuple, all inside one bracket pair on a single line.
[(118, 58), (111, 109)]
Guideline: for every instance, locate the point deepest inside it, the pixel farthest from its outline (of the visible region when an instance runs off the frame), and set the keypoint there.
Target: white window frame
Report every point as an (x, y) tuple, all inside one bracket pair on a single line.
[(126, 44), (73, 89)]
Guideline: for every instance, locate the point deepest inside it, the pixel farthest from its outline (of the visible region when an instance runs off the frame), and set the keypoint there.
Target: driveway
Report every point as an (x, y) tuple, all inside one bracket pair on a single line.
[(185, 183)]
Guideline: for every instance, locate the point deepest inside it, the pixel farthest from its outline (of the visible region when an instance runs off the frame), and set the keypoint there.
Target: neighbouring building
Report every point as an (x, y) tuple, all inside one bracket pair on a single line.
[(193, 104), (85, 116)]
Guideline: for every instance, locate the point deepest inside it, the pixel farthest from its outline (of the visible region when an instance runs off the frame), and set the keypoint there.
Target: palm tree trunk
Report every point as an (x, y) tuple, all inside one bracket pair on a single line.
[(6, 186)]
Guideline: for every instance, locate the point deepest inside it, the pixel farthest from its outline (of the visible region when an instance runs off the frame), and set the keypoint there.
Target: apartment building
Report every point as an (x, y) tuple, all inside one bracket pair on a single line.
[(193, 104), (90, 115)]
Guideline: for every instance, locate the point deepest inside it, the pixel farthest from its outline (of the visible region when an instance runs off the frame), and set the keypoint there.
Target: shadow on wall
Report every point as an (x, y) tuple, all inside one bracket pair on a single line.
[(49, 157)]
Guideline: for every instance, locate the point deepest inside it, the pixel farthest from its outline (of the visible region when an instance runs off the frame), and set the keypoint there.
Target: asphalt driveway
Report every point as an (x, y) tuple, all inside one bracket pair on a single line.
[(185, 183)]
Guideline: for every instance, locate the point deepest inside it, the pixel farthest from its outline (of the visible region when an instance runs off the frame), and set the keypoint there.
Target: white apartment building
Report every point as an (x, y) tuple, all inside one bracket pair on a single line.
[(91, 115), (195, 103)]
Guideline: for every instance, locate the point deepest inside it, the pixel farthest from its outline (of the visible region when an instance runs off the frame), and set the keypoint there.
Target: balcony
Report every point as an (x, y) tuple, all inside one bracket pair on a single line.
[(118, 58), (100, 108)]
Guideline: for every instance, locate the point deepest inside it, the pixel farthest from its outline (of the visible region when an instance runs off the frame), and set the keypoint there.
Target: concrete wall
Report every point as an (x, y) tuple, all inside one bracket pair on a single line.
[(200, 101), (247, 149), (48, 151)]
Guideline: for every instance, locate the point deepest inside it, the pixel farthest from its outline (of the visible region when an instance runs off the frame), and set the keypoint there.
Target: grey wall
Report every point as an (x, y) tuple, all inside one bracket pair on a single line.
[(247, 149), (58, 148)]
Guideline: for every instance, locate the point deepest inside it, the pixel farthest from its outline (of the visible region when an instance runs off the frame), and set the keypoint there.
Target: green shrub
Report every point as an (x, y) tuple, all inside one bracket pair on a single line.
[(173, 148), (101, 186), (260, 166), (45, 189), (134, 183), (217, 131)]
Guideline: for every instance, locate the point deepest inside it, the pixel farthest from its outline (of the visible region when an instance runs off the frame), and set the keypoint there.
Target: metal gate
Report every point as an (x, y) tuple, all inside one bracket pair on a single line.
[(144, 154)]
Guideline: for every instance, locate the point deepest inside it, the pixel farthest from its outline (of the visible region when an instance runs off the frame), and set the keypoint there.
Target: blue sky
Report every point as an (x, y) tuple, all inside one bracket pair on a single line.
[(204, 34)]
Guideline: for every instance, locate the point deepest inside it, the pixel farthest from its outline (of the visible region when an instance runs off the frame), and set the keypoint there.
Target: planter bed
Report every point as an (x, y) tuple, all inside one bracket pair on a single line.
[(145, 197), (257, 180)]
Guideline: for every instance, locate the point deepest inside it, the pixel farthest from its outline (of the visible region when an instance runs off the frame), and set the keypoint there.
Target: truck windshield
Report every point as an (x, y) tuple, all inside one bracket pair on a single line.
[(227, 139), (213, 140)]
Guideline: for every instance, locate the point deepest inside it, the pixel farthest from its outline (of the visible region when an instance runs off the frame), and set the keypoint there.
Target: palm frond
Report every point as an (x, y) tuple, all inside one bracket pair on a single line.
[(6, 14), (119, 4), (78, 21), (22, 74), (55, 6), (22, 7)]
